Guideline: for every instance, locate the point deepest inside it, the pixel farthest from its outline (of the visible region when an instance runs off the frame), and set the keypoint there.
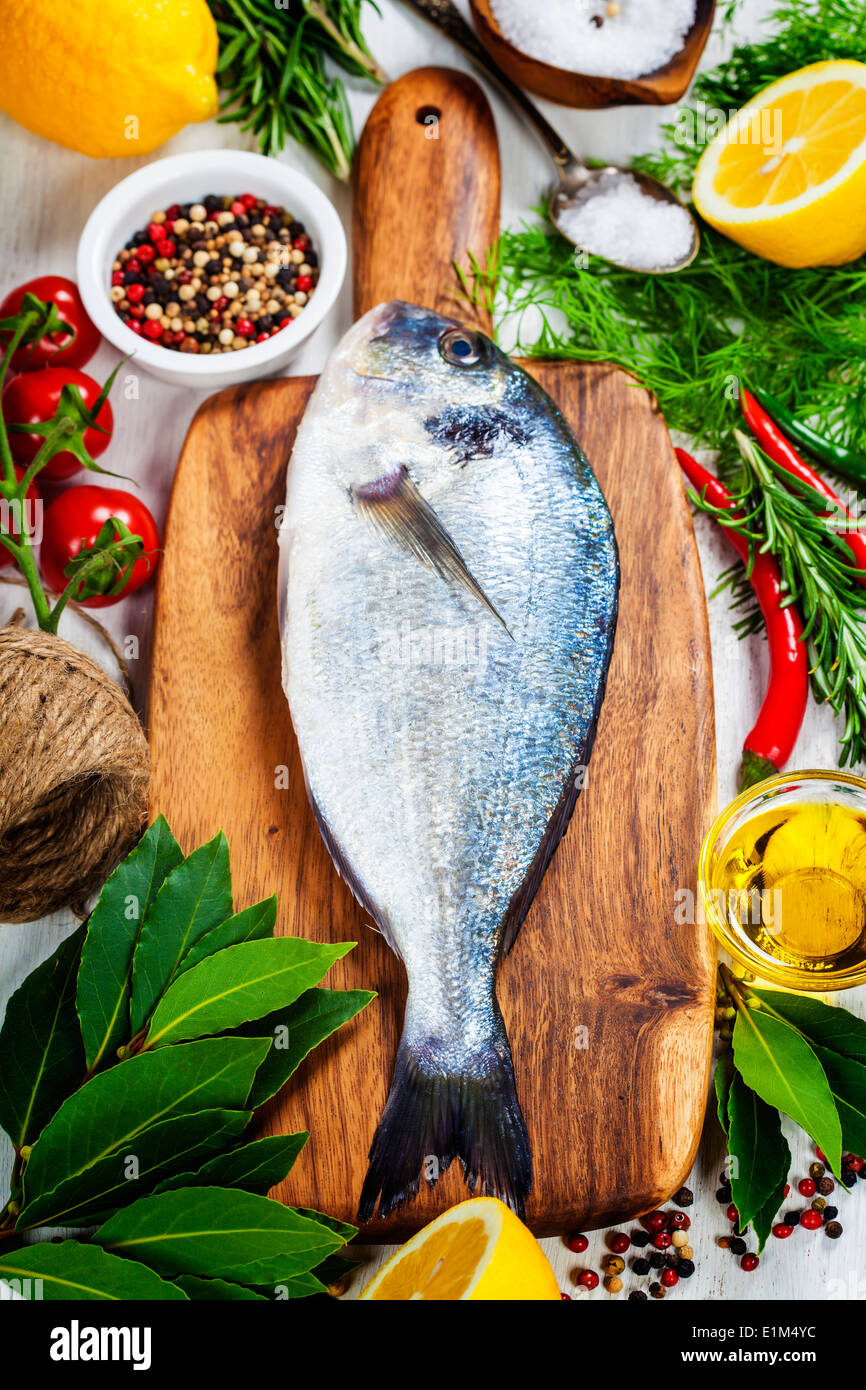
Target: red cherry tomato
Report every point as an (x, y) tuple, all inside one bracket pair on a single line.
[(75, 519), (34, 497), (33, 398), (50, 352)]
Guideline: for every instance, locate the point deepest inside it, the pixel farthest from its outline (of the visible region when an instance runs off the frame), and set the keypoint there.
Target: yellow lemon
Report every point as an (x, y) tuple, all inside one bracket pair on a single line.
[(479, 1250), (786, 178), (108, 77)]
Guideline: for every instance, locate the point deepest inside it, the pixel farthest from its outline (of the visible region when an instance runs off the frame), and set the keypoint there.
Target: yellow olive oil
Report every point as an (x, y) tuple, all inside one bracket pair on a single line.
[(792, 881)]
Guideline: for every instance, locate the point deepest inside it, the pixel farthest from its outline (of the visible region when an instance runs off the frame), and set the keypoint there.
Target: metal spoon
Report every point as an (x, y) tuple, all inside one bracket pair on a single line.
[(577, 180)]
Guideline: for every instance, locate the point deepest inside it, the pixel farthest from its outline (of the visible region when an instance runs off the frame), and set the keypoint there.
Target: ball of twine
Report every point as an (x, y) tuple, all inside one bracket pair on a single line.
[(74, 775)]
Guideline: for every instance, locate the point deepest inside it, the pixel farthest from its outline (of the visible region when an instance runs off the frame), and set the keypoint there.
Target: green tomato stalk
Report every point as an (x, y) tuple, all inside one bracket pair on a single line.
[(102, 568)]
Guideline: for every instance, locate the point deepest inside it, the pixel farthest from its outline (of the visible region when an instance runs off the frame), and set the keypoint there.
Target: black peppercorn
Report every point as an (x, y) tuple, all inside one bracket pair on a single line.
[(657, 1260), (792, 1218), (685, 1197), (637, 1296), (296, 229), (657, 1291), (641, 1266), (640, 1239), (830, 1213), (738, 1246), (686, 1268), (833, 1230), (723, 1196), (826, 1186)]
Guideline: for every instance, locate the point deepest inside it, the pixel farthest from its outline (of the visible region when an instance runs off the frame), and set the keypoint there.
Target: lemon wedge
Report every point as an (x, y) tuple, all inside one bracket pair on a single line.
[(786, 178), (478, 1250)]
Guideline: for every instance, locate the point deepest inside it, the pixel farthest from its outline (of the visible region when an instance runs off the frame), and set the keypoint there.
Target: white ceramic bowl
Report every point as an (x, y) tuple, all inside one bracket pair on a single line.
[(185, 178)]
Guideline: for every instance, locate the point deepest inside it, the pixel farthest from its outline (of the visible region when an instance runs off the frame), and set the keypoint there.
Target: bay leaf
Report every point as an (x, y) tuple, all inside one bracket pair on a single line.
[(41, 1055), (760, 1150), (116, 1106), (207, 1290), (777, 1062), (722, 1078), (238, 984), (160, 1150), (253, 924), (847, 1080), (256, 1167), (74, 1271), (296, 1031), (218, 1232), (195, 898), (827, 1025), (105, 975), (303, 1286), (763, 1221)]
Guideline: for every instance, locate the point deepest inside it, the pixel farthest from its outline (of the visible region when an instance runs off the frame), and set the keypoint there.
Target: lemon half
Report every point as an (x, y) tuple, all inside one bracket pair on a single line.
[(478, 1250), (786, 178)]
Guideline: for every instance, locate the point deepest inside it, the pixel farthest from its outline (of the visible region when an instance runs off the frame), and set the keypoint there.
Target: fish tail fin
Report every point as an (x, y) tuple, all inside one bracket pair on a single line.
[(434, 1114)]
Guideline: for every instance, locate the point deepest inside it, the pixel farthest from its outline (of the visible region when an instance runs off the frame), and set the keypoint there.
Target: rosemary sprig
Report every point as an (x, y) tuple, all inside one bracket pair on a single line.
[(777, 513), (272, 69)]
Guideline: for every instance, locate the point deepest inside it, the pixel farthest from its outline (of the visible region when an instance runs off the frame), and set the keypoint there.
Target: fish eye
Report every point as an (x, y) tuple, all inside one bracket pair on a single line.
[(462, 348)]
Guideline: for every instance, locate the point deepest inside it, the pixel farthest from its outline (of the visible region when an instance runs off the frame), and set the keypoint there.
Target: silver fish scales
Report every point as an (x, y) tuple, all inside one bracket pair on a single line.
[(448, 592)]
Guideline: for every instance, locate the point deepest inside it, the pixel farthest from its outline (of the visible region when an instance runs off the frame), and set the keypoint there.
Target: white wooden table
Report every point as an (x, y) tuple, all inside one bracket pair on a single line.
[(48, 193)]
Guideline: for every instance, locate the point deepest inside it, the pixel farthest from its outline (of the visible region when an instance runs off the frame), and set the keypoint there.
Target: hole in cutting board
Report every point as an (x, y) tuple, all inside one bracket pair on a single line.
[(428, 115)]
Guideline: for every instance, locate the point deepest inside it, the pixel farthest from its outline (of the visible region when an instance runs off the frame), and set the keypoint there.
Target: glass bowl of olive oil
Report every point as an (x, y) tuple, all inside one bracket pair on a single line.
[(782, 880)]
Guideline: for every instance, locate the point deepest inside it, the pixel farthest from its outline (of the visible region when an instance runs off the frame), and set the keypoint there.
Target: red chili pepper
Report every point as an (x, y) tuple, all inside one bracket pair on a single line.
[(770, 743), (781, 451)]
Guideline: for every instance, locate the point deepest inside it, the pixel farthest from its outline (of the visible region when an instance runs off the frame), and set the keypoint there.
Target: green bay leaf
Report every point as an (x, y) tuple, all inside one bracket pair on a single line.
[(41, 1055), (239, 984), (253, 924), (195, 898), (256, 1167), (116, 1106), (847, 1080), (760, 1150), (112, 932), (826, 1025), (763, 1220), (73, 1271), (218, 1232), (207, 1290), (722, 1078), (296, 1031), (114, 1180), (778, 1063)]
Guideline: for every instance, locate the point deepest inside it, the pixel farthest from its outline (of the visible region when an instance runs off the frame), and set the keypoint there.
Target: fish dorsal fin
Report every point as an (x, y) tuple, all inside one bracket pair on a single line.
[(396, 508)]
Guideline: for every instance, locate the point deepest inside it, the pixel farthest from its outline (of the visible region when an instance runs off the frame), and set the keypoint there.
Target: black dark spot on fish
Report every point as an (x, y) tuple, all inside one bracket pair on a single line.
[(474, 434)]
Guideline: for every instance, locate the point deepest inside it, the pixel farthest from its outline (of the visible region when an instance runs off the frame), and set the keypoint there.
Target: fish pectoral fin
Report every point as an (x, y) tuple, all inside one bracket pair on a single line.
[(396, 508)]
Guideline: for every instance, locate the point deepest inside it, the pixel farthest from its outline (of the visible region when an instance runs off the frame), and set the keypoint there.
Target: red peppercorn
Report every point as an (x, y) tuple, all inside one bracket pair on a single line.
[(134, 265), (245, 328), (221, 303), (577, 1243), (173, 211), (654, 1221), (135, 293), (806, 1187), (178, 337), (145, 254), (117, 277), (134, 325), (619, 1242), (183, 277), (810, 1219), (300, 242), (262, 337), (662, 1241), (238, 207), (679, 1221), (669, 1278), (566, 1297), (787, 1188), (823, 1157), (305, 283), (587, 1279), (781, 1231), (152, 328), (137, 311), (855, 1163), (749, 1262), (166, 248), (732, 1214), (167, 227), (155, 232), (248, 199)]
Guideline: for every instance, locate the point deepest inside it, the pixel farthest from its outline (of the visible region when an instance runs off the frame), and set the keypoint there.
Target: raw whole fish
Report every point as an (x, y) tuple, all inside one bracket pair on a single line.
[(448, 592)]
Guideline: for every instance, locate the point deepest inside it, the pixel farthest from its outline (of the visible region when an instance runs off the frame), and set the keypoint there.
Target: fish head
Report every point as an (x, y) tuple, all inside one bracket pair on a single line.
[(412, 387)]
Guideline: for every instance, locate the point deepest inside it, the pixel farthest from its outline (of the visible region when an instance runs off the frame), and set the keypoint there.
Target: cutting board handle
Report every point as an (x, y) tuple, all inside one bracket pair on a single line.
[(426, 192)]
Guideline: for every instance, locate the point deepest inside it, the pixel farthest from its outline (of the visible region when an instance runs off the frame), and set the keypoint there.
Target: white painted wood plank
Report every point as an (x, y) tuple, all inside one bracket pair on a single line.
[(48, 195)]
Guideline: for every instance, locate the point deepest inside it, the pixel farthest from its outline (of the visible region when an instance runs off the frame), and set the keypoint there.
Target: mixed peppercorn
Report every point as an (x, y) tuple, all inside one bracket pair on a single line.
[(815, 1188), (671, 1256), (215, 276)]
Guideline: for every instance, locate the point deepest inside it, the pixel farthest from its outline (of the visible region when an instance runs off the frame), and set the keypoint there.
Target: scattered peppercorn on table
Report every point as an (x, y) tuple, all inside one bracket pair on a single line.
[(50, 191)]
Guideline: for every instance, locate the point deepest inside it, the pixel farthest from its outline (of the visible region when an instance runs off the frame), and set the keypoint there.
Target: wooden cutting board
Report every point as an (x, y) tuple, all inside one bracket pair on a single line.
[(607, 1000)]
